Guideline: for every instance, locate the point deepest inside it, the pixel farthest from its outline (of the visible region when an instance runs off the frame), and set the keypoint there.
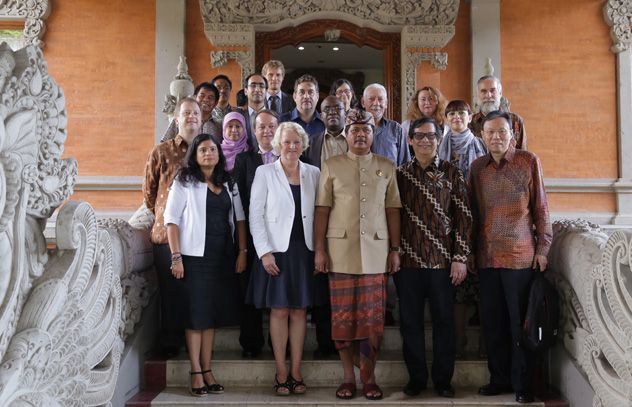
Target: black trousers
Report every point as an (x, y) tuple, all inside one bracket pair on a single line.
[(321, 313), (504, 298), (413, 287), (251, 325), (173, 304)]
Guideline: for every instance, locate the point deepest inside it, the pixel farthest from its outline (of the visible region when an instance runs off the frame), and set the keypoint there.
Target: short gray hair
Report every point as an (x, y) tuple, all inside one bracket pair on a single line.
[(487, 77), (376, 86), (295, 127)]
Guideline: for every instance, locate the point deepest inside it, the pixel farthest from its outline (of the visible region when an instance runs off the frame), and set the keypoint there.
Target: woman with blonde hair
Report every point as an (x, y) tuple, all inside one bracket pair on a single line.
[(281, 223), (426, 102)]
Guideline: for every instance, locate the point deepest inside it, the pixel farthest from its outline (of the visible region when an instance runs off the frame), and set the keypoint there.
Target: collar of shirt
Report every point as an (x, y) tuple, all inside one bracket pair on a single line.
[(179, 140), (330, 134), (434, 164), (273, 151), (509, 155), (269, 95), (361, 158), (295, 115)]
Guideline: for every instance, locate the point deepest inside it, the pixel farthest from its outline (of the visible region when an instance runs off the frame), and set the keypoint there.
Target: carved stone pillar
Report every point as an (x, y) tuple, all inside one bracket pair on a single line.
[(32, 13), (618, 15)]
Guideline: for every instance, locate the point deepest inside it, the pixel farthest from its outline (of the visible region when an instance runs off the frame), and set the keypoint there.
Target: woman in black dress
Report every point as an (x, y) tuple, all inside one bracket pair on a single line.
[(281, 223), (199, 216)]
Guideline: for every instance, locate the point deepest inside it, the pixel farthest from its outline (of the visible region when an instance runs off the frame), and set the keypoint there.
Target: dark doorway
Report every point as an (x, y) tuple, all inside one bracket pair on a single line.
[(379, 51)]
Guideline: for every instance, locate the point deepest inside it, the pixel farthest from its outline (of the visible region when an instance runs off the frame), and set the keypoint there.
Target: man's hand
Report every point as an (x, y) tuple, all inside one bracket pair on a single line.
[(321, 261), (539, 263), (392, 262), (458, 272)]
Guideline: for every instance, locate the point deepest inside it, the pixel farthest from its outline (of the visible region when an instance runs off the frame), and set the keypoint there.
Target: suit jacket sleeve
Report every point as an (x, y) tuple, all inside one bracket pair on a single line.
[(258, 198)]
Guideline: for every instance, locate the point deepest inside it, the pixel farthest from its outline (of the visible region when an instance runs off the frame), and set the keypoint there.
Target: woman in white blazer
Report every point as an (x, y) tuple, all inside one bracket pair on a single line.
[(199, 216), (281, 223)]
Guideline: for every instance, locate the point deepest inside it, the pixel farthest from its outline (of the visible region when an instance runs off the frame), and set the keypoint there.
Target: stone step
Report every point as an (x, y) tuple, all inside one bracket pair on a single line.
[(231, 370), (227, 339), (322, 397)]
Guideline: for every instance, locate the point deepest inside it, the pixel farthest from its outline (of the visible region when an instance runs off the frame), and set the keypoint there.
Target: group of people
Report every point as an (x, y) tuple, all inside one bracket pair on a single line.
[(278, 206)]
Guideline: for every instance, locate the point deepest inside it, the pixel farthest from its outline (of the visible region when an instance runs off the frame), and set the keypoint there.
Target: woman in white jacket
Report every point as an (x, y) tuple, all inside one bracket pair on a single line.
[(281, 223), (201, 205)]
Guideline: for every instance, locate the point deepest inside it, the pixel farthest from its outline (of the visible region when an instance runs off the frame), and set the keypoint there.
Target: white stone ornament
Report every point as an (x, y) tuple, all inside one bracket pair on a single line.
[(64, 312), (32, 13), (618, 15)]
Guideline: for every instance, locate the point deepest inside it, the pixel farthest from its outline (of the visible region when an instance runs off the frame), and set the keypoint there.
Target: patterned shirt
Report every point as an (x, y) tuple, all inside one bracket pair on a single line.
[(390, 142), (436, 218), (162, 165), (520, 135), (510, 210)]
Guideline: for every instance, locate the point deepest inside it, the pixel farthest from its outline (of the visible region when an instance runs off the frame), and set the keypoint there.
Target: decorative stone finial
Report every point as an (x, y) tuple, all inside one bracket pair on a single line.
[(489, 68)]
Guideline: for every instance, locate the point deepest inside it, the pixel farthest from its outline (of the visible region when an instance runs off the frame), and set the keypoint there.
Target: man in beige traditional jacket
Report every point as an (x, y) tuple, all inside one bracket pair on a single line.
[(356, 232)]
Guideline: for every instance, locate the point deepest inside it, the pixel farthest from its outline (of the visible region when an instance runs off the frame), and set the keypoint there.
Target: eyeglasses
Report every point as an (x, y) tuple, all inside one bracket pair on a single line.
[(499, 132), (332, 109), (260, 85), (343, 92), (418, 136)]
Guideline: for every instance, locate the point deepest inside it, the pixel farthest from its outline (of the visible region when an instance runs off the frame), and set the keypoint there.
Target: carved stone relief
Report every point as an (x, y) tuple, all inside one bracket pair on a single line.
[(245, 59), (423, 24), (618, 15), (65, 311), (439, 60), (32, 12)]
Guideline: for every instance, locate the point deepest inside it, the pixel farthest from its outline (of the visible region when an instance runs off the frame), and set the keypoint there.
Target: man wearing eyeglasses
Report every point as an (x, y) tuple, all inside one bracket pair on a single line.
[(513, 237), (305, 114), (436, 243), (255, 91), (490, 92)]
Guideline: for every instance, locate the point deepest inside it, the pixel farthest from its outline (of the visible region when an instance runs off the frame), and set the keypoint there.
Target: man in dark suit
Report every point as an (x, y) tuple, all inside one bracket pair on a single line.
[(324, 145), (255, 91), (276, 100), (266, 122)]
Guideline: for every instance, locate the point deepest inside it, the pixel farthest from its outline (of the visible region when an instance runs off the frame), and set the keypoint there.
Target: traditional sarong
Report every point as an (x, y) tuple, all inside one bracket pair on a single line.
[(357, 316)]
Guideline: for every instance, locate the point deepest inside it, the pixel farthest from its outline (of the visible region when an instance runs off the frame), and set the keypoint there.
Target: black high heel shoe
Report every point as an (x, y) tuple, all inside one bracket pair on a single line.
[(214, 388), (197, 391)]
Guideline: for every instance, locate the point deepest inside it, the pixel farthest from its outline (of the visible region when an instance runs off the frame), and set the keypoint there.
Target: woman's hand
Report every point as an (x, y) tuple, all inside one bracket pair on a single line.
[(177, 269), (240, 264), (269, 264)]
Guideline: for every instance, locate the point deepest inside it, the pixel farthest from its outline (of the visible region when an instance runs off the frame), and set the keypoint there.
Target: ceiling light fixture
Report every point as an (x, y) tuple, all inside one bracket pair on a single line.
[(336, 48), (301, 48)]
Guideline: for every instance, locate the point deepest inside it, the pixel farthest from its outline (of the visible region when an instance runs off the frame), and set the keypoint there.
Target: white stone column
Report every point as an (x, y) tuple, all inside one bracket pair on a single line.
[(170, 33), (623, 186), (485, 26)]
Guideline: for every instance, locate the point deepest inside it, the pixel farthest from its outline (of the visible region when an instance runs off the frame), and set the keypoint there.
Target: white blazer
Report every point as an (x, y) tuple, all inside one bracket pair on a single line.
[(186, 207), (272, 207)]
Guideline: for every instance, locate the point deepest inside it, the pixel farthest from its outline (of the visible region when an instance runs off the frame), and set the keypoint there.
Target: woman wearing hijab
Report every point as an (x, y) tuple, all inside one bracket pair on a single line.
[(234, 140)]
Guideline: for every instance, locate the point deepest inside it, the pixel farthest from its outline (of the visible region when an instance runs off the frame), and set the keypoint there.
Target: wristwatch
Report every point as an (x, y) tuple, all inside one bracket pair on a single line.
[(395, 249)]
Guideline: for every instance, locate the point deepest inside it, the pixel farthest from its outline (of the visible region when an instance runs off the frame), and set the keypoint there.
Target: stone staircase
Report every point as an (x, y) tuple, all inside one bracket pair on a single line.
[(248, 382)]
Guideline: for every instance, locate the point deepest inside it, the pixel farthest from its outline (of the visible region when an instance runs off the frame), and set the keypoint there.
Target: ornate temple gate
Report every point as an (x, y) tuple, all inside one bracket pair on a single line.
[(408, 32)]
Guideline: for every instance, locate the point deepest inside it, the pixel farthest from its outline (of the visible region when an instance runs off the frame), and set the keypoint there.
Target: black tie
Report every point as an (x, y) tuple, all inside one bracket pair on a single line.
[(273, 103)]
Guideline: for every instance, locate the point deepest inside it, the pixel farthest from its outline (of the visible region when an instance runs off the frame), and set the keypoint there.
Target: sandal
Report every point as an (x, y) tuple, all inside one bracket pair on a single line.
[(341, 391), (282, 389), (214, 388), (296, 386), (372, 388), (196, 391)]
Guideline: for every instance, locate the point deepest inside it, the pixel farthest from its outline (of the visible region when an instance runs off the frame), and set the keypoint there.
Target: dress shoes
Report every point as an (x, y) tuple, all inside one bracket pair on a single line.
[(413, 389), (250, 353), (524, 397), (445, 391), (492, 389)]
